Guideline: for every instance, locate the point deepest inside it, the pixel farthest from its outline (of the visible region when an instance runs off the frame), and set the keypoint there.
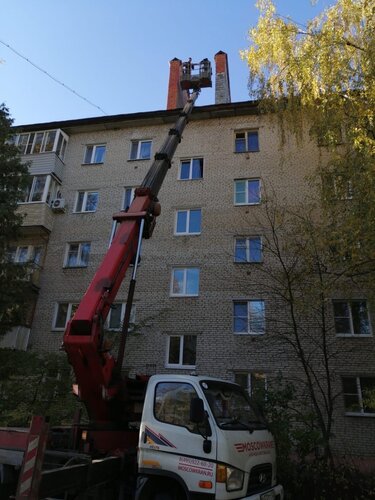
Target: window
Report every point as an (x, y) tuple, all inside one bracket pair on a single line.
[(249, 317), (77, 255), (248, 249), (41, 188), (185, 282), (129, 193), (64, 311), (188, 221), (351, 317), (357, 394), (255, 383), (172, 404), (246, 141), (191, 169), (140, 150), (116, 316), (35, 189), (247, 192), (42, 142), (24, 254), (181, 351), (87, 201), (94, 153)]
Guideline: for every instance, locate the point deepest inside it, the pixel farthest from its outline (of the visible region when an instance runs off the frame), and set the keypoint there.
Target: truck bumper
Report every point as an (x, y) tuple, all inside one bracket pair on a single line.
[(275, 493)]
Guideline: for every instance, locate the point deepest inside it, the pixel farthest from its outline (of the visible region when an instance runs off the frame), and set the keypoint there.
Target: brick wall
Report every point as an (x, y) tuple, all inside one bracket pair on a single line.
[(282, 169)]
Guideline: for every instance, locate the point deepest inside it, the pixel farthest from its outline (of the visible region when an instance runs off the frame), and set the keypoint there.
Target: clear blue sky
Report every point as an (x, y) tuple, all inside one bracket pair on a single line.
[(116, 53)]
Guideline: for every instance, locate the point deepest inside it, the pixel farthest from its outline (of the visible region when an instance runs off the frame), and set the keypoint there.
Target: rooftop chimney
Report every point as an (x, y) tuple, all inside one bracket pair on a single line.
[(176, 97), (222, 87)]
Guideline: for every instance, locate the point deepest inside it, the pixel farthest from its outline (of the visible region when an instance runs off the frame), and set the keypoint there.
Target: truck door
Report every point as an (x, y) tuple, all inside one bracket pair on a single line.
[(170, 440)]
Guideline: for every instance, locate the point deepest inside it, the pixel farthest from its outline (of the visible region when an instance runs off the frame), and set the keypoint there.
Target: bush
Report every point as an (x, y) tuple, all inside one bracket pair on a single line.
[(319, 481)]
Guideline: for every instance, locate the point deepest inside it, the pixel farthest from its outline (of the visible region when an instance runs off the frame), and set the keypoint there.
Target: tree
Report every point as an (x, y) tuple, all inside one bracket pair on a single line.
[(298, 278), (324, 73), (35, 384), (13, 181)]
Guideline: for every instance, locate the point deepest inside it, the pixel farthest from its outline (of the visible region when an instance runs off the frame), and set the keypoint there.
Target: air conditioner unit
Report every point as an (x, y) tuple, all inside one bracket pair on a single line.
[(58, 205)]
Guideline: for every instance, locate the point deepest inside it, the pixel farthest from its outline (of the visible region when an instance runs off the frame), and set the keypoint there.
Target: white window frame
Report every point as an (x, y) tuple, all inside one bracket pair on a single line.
[(51, 190), (249, 332), (191, 160), (246, 191), (122, 315), (31, 144), (248, 253), (30, 254), (185, 282), (128, 189), (93, 154), (359, 395), (180, 364), (71, 305), (84, 202), (79, 255), (249, 376), (188, 212), (246, 132), (31, 193), (139, 143), (352, 334)]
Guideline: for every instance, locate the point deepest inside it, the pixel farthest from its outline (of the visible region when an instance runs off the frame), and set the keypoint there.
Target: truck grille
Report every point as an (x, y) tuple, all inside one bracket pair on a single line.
[(260, 478)]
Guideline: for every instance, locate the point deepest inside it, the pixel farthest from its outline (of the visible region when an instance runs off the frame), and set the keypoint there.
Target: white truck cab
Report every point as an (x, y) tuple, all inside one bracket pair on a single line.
[(201, 438)]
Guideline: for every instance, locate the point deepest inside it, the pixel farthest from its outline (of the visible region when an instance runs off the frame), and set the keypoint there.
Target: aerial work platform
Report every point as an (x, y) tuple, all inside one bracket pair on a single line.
[(196, 75)]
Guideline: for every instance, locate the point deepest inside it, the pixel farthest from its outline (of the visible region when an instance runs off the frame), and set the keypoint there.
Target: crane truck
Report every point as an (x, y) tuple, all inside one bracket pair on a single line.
[(164, 437)]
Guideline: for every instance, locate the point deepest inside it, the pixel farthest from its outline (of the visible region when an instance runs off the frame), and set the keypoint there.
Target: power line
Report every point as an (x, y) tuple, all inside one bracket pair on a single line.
[(53, 78)]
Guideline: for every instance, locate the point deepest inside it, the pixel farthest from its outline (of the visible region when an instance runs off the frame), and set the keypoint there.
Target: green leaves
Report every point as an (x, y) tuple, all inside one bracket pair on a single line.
[(35, 384), (13, 180)]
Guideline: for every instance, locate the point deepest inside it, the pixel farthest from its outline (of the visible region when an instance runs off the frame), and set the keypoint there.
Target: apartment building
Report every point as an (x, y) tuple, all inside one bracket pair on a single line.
[(195, 309)]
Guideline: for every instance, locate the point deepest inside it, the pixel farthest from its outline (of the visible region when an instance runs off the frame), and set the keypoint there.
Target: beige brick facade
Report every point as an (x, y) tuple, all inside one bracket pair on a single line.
[(210, 135)]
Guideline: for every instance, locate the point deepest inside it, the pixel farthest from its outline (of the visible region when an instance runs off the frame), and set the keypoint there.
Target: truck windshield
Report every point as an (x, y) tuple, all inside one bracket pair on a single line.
[(231, 406)]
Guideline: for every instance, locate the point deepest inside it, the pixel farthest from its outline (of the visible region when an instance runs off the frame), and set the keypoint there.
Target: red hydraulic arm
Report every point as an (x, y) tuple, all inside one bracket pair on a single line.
[(96, 370)]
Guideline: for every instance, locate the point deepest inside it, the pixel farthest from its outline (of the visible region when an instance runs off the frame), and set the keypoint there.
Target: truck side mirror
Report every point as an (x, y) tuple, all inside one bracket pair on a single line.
[(197, 413)]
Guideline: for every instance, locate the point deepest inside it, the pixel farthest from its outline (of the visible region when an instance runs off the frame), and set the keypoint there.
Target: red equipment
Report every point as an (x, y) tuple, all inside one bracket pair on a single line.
[(97, 371)]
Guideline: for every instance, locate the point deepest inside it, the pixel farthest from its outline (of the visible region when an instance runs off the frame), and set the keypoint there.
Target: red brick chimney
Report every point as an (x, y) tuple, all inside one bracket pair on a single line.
[(176, 97), (222, 86)]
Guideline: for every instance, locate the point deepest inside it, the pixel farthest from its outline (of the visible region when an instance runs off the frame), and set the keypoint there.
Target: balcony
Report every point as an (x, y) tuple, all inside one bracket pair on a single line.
[(44, 163), (16, 338), (37, 215)]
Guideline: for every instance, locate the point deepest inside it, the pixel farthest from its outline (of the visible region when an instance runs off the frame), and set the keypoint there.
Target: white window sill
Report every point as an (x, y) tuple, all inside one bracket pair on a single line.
[(194, 179), (139, 159), (246, 204), (85, 212), (187, 234), (253, 334), (181, 367), (182, 296), (246, 152), (31, 202)]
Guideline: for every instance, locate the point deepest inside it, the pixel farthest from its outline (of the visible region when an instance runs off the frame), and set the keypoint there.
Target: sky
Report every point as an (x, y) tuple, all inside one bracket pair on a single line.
[(116, 53)]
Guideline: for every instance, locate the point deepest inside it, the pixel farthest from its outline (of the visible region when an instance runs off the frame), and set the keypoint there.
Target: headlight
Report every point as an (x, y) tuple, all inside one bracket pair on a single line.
[(233, 478)]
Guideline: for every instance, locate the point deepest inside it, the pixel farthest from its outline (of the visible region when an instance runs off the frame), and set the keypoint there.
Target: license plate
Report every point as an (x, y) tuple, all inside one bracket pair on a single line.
[(270, 495)]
